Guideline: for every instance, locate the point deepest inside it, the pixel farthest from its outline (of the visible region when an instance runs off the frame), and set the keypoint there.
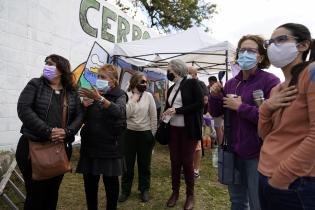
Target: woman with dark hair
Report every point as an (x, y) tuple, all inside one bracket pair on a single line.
[(183, 109), (40, 108), (287, 123), (139, 137), (237, 103), (104, 122)]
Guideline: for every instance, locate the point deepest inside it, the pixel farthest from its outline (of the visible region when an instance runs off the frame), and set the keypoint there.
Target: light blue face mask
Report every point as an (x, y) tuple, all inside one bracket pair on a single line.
[(247, 60), (102, 84)]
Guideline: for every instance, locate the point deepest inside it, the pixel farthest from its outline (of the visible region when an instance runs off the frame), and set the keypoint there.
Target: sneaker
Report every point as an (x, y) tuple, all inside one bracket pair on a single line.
[(145, 197), (123, 197), (196, 175)]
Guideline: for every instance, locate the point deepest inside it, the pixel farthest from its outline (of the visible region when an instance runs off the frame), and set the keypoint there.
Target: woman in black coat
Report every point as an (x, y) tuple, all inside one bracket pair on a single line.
[(184, 110), (104, 122), (40, 108)]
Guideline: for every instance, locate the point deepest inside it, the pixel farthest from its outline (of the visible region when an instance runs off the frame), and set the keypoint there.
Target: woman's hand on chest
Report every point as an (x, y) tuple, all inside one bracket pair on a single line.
[(282, 97)]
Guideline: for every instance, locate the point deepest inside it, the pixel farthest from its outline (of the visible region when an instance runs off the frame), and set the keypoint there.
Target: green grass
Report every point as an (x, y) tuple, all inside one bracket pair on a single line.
[(210, 195)]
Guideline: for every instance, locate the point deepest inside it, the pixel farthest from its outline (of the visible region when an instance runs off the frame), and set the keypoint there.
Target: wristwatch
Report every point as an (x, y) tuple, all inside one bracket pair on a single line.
[(101, 100)]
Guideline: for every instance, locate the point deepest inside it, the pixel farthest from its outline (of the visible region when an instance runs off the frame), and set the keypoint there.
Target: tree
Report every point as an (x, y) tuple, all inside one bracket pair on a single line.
[(174, 14)]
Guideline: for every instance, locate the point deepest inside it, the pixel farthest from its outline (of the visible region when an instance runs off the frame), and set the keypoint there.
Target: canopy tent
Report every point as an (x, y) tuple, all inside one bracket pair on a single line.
[(193, 46)]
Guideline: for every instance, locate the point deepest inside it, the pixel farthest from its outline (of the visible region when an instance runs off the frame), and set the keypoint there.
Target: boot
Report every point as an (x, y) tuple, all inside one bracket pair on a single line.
[(145, 196), (123, 197), (189, 204), (172, 200)]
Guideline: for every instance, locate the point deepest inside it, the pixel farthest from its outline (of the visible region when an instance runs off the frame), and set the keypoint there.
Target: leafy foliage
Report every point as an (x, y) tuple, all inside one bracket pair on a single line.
[(174, 14)]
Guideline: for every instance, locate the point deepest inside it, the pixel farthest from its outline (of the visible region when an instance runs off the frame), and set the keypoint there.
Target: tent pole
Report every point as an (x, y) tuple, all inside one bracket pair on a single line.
[(115, 60)]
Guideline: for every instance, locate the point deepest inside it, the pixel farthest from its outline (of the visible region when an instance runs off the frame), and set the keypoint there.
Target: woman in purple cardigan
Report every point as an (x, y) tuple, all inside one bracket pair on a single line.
[(243, 116)]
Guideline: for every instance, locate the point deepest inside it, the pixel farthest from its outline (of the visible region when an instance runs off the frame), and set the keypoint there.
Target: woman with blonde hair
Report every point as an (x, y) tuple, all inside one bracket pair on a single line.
[(104, 122)]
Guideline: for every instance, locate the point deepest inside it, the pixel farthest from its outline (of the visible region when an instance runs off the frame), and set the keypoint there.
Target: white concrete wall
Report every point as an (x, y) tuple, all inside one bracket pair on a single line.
[(29, 31)]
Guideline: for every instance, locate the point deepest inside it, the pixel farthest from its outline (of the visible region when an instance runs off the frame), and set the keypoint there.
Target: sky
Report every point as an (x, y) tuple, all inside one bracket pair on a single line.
[(236, 18)]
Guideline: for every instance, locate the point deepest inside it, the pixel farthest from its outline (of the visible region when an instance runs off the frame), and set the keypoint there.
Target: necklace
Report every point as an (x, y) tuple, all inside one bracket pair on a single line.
[(57, 92)]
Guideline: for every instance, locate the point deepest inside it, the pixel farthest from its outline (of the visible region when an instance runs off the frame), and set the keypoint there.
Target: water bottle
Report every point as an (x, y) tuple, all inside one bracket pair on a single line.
[(215, 156)]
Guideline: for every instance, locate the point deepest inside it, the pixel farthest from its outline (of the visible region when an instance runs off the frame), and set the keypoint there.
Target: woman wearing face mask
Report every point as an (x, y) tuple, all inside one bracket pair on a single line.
[(236, 101), (139, 137), (40, 110), (104, 121), (287, 123), (184, 106)]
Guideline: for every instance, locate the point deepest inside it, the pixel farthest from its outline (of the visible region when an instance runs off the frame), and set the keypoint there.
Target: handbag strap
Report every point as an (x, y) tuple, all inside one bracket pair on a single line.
[(227, 136), (174, 97), (64, 110), (177, 92)]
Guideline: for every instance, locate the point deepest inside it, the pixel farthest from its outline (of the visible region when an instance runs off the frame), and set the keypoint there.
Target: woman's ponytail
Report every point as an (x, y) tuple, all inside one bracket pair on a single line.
[(312, 51), (297, 69)]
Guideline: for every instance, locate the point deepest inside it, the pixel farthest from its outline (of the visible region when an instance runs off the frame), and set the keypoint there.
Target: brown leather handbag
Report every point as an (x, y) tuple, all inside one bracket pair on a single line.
[(49, 159)]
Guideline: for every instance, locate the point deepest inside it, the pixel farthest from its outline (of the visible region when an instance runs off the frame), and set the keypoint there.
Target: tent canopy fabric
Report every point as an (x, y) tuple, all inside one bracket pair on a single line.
[(193, 46)]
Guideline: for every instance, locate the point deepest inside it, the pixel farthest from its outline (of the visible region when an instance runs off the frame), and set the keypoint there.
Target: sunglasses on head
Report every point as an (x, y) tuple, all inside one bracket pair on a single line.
[(143, 81)]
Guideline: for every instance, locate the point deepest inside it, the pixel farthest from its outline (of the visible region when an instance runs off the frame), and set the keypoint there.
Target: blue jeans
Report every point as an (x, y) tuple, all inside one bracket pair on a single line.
[(247, 192), (299, 196)]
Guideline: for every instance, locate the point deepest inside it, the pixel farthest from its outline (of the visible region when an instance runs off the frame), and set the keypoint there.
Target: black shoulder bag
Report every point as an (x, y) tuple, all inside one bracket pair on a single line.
[(162, 134)]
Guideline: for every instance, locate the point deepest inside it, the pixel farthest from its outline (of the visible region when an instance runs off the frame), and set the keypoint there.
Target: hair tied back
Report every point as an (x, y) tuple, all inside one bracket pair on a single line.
[(312, 51)]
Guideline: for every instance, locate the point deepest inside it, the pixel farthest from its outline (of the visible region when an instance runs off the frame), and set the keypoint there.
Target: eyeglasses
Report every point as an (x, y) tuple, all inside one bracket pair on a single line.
[(143, 82), (250, 50), (278, 40)]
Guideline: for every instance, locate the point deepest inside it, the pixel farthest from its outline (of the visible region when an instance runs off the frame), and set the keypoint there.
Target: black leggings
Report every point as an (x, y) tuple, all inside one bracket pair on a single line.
[(111, 184), (40, 195)]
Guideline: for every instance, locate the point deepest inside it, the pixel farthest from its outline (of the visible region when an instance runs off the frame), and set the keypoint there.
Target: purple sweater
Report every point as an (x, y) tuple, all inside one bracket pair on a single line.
[(244, 121)]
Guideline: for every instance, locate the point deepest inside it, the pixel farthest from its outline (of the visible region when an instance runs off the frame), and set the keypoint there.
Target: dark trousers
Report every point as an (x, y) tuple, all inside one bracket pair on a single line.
[(299, 196), (40, 195), (111, 184), (137, 144), (182, 150)]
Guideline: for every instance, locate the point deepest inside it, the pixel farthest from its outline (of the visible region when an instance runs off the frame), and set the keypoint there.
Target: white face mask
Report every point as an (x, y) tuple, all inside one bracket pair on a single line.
[(282, 54)]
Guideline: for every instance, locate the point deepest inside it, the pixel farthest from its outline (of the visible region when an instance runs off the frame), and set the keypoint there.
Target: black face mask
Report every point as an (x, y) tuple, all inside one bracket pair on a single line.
[(141, 88), (170, 76)]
